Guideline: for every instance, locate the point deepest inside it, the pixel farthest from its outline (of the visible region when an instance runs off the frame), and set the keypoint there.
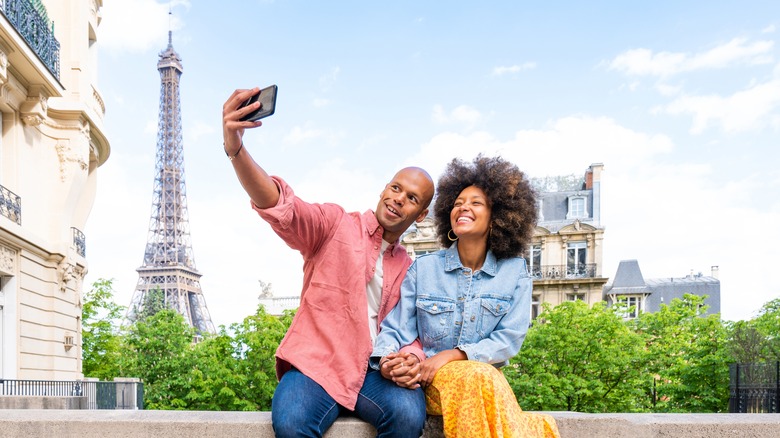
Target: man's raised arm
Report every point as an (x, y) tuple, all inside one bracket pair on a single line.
[(256, 182)]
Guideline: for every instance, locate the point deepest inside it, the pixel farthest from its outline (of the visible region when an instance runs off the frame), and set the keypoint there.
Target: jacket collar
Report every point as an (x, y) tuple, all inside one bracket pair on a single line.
[(452, 261)]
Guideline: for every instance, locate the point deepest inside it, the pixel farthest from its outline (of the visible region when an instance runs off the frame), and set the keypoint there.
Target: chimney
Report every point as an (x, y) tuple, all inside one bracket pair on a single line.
[(589, 179), (715, 272)]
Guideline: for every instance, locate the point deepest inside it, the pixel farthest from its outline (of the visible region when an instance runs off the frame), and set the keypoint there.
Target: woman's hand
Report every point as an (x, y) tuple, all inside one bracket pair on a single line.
[(431, 366), (401, 368)]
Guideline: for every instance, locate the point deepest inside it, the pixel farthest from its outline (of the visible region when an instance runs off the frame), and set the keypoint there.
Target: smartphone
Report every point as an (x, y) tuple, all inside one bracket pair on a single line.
[(267, 98)]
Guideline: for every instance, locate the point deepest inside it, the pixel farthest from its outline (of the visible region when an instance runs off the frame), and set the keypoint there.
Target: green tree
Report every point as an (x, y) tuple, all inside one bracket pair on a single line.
[(577, 358), (100, 333), (215, 383), (257, 338), (153, 302), (158, 349), (687, 354)]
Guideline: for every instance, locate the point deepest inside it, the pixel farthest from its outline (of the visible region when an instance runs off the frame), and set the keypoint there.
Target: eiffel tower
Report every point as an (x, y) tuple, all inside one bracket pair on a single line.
[(168, 277)]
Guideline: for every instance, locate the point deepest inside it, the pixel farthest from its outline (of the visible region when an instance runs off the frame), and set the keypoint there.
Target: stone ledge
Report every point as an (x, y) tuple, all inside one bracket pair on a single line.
[(101, 424)]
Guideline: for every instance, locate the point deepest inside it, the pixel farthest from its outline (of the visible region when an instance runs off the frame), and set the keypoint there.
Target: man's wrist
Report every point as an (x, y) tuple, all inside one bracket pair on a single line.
[(232, 157)]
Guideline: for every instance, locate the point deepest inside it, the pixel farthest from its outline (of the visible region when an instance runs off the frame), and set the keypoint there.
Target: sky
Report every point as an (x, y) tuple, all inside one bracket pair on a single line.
[(679, 100)]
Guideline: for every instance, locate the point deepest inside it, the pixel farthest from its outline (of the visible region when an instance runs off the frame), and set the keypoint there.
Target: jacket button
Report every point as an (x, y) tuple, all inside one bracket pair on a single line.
[(473, 318)]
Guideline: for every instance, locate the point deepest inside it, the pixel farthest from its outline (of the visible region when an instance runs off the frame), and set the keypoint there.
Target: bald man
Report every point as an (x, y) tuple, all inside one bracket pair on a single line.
[(353, 268)]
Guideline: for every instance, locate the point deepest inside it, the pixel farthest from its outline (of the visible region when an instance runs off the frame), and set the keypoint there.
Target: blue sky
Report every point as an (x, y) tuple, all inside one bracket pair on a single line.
[(679, 100)]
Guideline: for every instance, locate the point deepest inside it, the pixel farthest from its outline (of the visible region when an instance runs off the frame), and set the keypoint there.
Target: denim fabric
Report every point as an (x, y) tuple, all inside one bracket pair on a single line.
[(484, 313), (301, 408)]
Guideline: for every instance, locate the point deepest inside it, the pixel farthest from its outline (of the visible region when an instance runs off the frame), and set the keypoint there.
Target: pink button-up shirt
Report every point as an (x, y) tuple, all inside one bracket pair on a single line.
[(328, 339)]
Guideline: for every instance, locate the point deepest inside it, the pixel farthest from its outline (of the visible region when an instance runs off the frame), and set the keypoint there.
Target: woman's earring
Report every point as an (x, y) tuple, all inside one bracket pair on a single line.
[(450, 237)]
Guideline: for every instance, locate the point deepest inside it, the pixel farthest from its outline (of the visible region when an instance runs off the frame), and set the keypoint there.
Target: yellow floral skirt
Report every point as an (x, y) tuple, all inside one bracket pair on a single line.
[(475, 400)]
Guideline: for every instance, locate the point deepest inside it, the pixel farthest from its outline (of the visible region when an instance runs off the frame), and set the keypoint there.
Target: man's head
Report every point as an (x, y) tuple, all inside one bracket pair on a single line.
[(404, 200)]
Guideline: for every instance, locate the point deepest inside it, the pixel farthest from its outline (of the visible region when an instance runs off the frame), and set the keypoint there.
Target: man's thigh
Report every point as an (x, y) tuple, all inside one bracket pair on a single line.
[(300, 407), (390, 408)]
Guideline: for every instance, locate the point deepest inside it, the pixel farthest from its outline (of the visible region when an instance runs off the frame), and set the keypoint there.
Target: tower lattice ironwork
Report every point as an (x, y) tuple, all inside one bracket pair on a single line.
[(168, 276)]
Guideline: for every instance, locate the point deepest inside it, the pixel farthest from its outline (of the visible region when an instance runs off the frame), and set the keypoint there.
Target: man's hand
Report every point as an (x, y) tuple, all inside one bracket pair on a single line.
[(232, 127), (401, 368)]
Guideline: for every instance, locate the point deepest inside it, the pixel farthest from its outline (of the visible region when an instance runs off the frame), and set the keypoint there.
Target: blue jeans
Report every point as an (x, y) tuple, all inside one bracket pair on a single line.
[(301, 408)]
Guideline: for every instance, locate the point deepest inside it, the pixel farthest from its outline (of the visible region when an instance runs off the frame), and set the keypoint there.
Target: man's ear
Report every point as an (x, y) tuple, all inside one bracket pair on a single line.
[(422, 215)]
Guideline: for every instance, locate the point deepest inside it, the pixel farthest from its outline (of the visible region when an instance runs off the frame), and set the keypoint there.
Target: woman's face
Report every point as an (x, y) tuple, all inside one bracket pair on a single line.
[(470, 215)]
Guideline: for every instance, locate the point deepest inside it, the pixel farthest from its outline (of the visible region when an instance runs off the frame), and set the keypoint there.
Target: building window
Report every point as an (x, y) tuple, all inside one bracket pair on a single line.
[(575, 297), (533, 259), (535, 307), (577, 207), (575, 259), (633, 306)]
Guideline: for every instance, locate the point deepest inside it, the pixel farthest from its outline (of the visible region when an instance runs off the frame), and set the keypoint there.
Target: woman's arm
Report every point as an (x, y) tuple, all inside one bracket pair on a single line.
[(400, 325)]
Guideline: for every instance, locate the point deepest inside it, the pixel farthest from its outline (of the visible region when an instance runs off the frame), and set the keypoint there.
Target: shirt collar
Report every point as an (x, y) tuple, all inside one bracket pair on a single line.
[(452, 261), (372, 227)]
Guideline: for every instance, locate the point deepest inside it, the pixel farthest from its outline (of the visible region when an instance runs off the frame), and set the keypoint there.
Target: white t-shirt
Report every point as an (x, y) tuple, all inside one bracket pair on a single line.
[(374, 293)]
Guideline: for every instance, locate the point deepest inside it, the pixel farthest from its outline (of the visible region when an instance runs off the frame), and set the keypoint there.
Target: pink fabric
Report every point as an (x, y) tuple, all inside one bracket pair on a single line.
[(329, 340)]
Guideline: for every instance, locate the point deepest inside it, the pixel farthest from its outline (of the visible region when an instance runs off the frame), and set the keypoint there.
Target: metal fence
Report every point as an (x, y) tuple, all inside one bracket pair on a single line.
[(100, 395), (754, 388)]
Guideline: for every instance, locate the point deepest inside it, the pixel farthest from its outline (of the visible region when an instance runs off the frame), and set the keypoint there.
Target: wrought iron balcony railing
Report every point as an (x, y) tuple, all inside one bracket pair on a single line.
[(10, 205), (563, 272), (34, 28), (79, 241)]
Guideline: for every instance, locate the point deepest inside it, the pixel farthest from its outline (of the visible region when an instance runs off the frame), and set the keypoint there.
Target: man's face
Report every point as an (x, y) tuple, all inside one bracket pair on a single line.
[(404, 201)]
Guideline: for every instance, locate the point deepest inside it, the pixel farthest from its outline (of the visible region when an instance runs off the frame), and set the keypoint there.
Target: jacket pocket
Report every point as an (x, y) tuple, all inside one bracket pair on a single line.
[(435, 317), (493, 309)]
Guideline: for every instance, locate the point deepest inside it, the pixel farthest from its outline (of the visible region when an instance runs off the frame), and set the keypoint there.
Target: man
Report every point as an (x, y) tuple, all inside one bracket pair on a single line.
[(353, 268)]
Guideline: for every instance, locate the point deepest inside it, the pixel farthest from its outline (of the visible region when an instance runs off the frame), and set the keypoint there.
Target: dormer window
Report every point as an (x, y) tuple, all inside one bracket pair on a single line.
[(577, 207)]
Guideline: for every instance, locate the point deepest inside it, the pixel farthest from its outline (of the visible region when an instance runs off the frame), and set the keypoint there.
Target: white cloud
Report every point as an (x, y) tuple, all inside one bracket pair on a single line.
[(644, 62), (306, 133), (502, 70), (327, 80), (463, 114), (300, 134), (741, 111), (119, 29), (768, 29), (199, 129), (668, 90), (320, 103)]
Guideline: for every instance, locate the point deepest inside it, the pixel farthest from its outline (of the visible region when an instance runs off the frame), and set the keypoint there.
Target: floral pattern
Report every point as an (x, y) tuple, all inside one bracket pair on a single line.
[(475, 400)]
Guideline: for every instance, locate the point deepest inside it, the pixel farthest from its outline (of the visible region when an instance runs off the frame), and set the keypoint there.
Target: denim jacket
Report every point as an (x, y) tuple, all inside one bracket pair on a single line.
[(484, 313)]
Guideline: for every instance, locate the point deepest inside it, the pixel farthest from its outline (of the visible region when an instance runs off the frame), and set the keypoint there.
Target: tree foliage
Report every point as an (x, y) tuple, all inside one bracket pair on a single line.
[(687, 355), (576, 358), (100, 332)]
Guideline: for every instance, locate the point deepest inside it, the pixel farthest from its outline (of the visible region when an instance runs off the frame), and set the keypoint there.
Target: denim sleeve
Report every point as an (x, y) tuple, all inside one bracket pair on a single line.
[(400, 326), (506, 339)]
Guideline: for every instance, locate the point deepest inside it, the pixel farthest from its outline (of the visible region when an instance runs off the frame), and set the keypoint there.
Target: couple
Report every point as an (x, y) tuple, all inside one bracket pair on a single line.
[(375, 341)]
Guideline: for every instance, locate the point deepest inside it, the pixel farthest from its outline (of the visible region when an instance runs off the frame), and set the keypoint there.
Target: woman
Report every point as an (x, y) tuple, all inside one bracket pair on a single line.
[(470, 303)]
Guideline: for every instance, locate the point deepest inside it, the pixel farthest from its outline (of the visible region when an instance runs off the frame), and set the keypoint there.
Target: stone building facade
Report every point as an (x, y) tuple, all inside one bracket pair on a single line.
[(51, 145)]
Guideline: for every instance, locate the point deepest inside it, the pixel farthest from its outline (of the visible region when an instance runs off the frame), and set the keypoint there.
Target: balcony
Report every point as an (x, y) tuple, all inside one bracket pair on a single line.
[(10, 205), (563, 272), (79, 241), (34, 28)]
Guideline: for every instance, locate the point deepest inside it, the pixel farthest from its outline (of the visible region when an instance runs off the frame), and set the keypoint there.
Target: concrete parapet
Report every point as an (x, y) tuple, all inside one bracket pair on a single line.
[(42, 402), (101, 424)]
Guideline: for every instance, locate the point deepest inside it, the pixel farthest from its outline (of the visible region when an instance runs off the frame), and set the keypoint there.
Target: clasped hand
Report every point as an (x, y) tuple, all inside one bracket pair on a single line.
[(401, 368)]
